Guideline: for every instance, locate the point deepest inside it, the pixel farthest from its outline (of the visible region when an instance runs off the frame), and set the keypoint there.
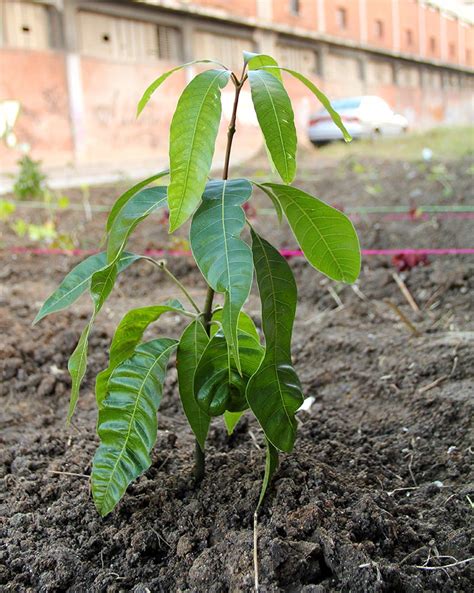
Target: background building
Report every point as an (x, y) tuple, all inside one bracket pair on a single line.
[(78, 67)]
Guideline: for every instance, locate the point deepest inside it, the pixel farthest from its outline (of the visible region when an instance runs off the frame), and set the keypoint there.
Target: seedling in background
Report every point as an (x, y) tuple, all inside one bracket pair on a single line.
[(223, 367), (29, 185)]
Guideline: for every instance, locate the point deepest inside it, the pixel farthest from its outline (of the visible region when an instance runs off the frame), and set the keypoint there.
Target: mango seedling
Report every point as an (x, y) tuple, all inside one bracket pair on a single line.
[(223, 367)]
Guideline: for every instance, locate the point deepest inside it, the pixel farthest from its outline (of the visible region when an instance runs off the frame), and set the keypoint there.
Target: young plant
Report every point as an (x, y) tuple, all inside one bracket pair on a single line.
[(30, 181), (223, 367)]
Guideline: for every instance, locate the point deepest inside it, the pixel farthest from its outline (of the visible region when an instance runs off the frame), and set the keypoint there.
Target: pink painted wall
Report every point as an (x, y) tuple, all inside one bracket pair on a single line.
[(37, 79)]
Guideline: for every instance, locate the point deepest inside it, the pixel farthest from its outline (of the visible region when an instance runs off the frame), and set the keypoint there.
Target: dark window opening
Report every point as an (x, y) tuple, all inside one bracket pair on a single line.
[(409, 37), (25, 29), (379, 29), (432, 45), (106, 38), (295, 7), (341, 18), (452, 50)]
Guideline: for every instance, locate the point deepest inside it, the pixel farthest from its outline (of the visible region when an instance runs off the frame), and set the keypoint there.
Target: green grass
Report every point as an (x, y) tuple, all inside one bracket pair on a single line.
[(446, 143)]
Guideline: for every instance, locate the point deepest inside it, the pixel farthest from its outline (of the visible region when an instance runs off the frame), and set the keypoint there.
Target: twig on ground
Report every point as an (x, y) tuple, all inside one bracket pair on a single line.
[(392, 492), (403, 318), (440, 379), (453, 564), (254, 439), (359, 293), (432, 384), (335, 296), (160, 537), (53, 471), (406, 293), (255, 550), (410, 463), (412, 554)]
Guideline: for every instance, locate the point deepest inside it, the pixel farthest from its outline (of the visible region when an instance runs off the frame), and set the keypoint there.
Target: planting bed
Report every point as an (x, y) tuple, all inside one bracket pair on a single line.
[(377, 495)]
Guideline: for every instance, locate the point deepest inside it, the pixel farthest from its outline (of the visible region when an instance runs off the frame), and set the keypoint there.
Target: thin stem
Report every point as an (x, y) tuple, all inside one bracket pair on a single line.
[(162, 266), (199, 459)]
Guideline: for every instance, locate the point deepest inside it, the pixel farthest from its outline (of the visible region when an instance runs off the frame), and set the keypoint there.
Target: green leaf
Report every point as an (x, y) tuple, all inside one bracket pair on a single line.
[(275, 202), (77, 365), (336, 118), (217, 358), (231, 419), (271, 465), (223, 258), (161, 79), (326, 235), (245, 324), (128, 334), (102, 283), (192, 141), (77, 282), (125, 197), (101, 286), (191, 346), (276, 119), (274, 391), (127, 424), (130, 215), (257, 61)]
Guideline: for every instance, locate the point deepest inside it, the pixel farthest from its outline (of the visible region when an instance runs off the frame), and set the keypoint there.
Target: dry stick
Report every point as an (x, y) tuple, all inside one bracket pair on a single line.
[(457, 563), (406, 293), (433, 384), (403, 317), (255, 549), (199, 459), (52, 471)]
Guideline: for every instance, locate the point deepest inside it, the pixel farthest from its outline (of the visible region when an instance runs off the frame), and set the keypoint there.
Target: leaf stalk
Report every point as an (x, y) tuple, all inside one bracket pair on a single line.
[(161, 264)]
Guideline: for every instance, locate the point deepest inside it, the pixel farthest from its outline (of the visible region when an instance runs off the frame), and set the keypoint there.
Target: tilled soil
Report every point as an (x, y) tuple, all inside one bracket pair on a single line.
[(377, 495)]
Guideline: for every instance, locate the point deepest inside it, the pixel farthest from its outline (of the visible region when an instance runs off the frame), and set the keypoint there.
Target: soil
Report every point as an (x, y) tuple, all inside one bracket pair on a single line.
[(377, 495)]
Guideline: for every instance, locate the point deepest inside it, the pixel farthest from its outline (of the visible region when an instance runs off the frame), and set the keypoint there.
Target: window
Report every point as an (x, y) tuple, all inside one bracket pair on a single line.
[(432, 45), (26, 25), (297, 58), (468, 57), (352, 103), (169, 41), (452, 51), (125, 39), (295, 7), (379, 29), (409, 37), (341, 18), (223, 48)]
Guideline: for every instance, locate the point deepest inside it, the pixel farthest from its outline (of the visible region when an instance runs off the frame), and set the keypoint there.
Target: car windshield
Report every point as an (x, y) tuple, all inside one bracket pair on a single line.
[(343, 104)]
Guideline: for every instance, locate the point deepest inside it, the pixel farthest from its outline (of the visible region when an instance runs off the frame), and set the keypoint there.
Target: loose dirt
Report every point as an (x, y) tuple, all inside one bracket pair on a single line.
[(377, 495)]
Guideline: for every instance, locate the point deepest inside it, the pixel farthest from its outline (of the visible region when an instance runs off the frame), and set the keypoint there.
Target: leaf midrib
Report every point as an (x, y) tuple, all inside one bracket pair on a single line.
[(279, 127), (321, 236), (275, 326), (189, 160), (132, 419)]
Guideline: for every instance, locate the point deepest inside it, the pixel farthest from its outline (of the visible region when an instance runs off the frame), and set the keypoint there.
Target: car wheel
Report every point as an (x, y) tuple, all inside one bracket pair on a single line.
[(319, 143)]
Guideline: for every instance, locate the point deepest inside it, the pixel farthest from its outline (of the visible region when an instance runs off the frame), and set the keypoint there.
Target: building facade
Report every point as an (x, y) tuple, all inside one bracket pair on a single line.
[(78, 67)]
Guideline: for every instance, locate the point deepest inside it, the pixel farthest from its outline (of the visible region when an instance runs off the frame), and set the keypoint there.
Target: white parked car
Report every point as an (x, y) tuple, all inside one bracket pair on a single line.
[(363, 117)]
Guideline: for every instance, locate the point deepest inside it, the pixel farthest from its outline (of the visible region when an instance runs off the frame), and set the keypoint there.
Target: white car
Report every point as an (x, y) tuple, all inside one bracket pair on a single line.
[(363, 117)]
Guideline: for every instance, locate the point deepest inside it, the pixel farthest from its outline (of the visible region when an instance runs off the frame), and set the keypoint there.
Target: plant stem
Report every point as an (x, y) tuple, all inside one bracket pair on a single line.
[(199, 459)]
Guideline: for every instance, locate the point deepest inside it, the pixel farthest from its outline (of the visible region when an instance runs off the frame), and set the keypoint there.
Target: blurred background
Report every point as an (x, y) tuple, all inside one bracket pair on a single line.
[(72, 71), (378, 493)]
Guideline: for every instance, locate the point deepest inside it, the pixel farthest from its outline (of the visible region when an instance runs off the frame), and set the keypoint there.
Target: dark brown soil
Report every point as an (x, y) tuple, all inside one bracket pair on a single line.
[(377, 495)]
